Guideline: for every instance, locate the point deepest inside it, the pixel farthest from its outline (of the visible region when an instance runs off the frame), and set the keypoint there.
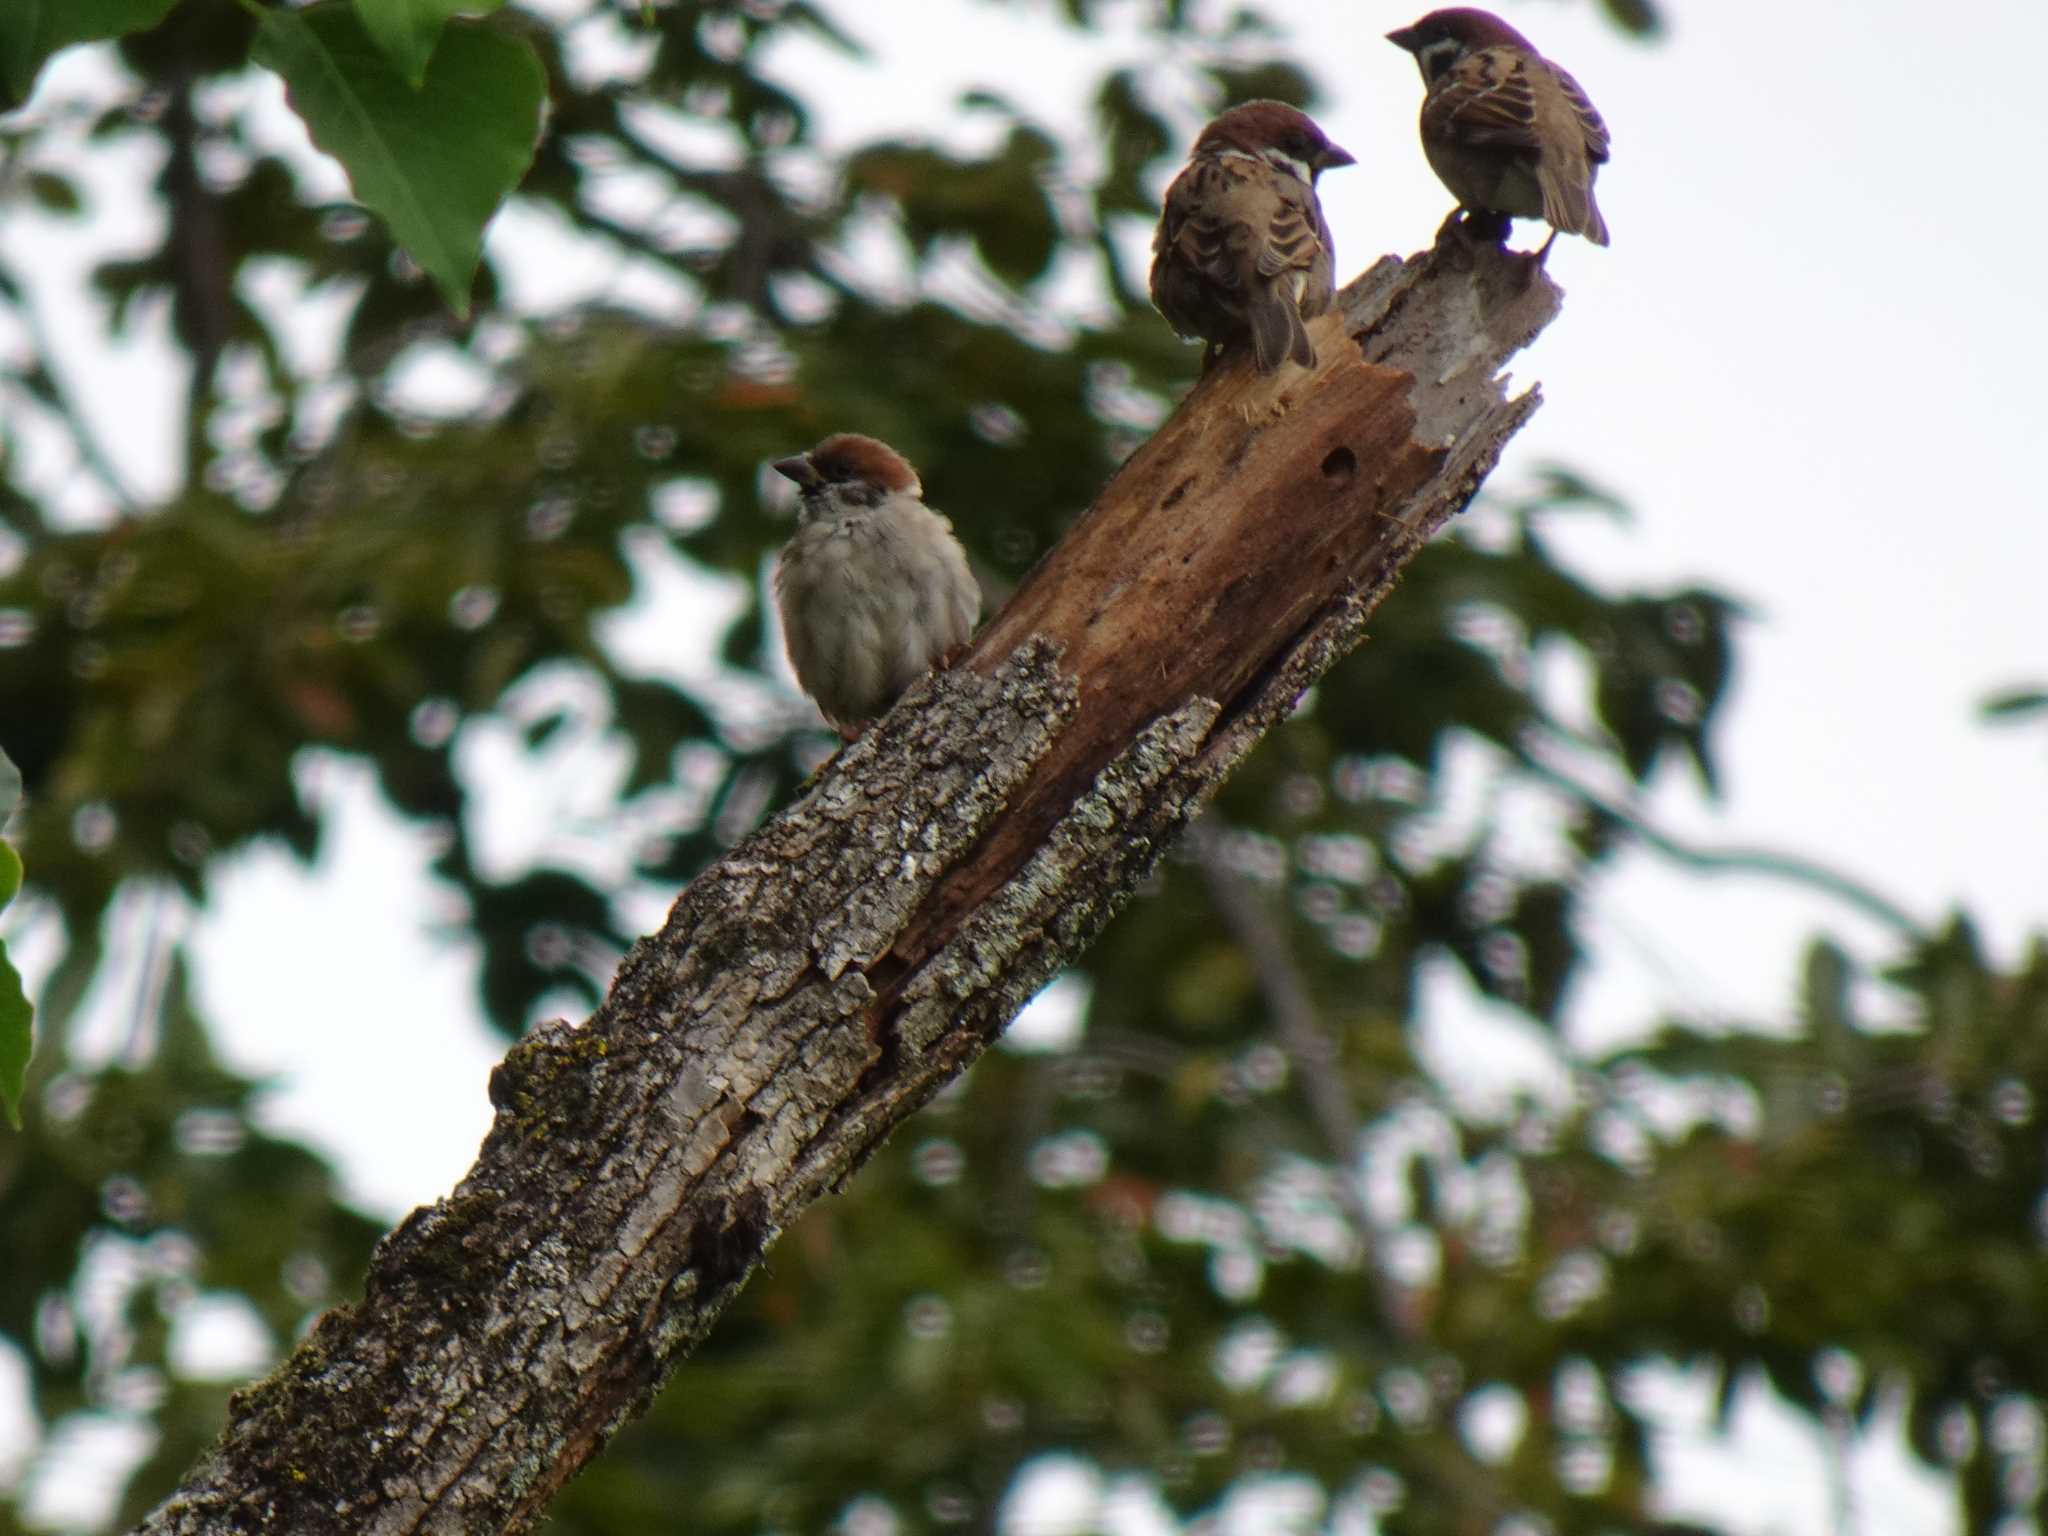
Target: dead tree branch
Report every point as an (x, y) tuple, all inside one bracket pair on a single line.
[(811, 990)]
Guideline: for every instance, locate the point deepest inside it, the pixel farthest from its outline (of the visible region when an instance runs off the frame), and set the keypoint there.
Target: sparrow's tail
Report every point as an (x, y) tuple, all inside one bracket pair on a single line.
[(1568, 204), (1277, 332)]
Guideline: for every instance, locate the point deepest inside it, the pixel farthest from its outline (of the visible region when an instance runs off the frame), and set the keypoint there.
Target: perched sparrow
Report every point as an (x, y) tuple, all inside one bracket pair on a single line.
[(1243, 252), (874, 588), (1505, 129)]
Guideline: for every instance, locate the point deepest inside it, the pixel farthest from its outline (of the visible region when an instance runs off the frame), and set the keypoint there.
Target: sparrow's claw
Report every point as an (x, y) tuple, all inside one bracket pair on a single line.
[(1483, 224)]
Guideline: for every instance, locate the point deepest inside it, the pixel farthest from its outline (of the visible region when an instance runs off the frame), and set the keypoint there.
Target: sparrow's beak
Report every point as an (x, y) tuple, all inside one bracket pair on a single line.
[(1404, 37), (1334, 155), (797, 467)]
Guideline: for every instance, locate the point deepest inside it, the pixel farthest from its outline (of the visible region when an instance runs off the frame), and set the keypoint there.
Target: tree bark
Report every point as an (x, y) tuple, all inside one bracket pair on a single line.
[(816, 986)]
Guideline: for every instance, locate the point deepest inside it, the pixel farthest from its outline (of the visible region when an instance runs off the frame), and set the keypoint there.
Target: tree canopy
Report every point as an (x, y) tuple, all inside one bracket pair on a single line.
[(1232, 1238)]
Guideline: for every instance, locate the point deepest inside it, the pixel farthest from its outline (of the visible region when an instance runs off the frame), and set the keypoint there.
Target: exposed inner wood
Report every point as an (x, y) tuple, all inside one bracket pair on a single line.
[(1261, 502)]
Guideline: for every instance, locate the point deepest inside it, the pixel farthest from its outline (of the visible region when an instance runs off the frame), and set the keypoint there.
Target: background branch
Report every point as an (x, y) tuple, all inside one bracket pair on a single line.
[(1311, 1051)]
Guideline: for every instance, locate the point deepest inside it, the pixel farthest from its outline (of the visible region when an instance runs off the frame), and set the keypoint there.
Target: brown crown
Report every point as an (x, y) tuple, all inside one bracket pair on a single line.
[(1253, 126), (847, 457), (1464, 24)]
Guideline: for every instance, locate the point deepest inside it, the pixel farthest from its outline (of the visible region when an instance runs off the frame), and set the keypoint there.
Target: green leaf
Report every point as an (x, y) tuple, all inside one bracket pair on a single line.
[(999, 201), (1563, 489), (10, 788), (1829, 974), (407, 30), (17, 1014), (15, 1009), (433, 164), (32, 30), (1274, 78), (1636, 16), (53, 193), (2016, 704)]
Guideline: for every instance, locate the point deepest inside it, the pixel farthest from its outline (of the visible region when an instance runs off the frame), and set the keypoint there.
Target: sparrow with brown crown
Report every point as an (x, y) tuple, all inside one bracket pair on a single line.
[(1243, 254), (1509, 133), (874, 589)]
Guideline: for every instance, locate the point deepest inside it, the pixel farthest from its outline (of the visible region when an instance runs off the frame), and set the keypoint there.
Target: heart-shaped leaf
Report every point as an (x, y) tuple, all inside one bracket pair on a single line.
[(408, 29), (433, 163)]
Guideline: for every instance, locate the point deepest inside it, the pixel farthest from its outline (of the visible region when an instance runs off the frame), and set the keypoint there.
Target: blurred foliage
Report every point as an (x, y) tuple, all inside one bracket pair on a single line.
[(2028, 704), (17, 1014), (1234, 1240), (29, 34)]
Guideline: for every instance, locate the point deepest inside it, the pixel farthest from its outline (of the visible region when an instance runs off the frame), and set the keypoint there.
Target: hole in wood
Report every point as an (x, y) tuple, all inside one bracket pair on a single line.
[(1340, 464)]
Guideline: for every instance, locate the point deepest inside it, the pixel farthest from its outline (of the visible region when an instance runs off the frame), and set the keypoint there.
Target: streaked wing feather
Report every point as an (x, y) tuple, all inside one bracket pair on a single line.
[(1589, 118), (1232, 234), (1201, 228), (1485, 99), (1291, 238), (1229, 223)]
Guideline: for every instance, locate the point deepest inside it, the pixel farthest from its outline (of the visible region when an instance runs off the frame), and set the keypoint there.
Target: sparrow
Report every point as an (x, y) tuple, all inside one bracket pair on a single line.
[(1509, 133), (874, 588), (1243, 253)]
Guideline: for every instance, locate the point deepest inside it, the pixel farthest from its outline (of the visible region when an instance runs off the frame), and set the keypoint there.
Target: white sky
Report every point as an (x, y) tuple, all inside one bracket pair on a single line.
[(1810, 361)]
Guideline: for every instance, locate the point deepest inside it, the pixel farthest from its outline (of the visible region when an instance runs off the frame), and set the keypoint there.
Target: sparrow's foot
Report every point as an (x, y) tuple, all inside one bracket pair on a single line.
[(1484, 225), (1464, 231)]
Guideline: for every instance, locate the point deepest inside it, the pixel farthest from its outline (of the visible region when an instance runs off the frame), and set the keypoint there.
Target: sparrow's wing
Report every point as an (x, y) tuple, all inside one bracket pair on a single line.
[(1500, 97), (1208, 224), (1284, 241), (1236, 225), (1590, 123), (1487, 98), (1567, 119), (1508, 99), (1293, 228)]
